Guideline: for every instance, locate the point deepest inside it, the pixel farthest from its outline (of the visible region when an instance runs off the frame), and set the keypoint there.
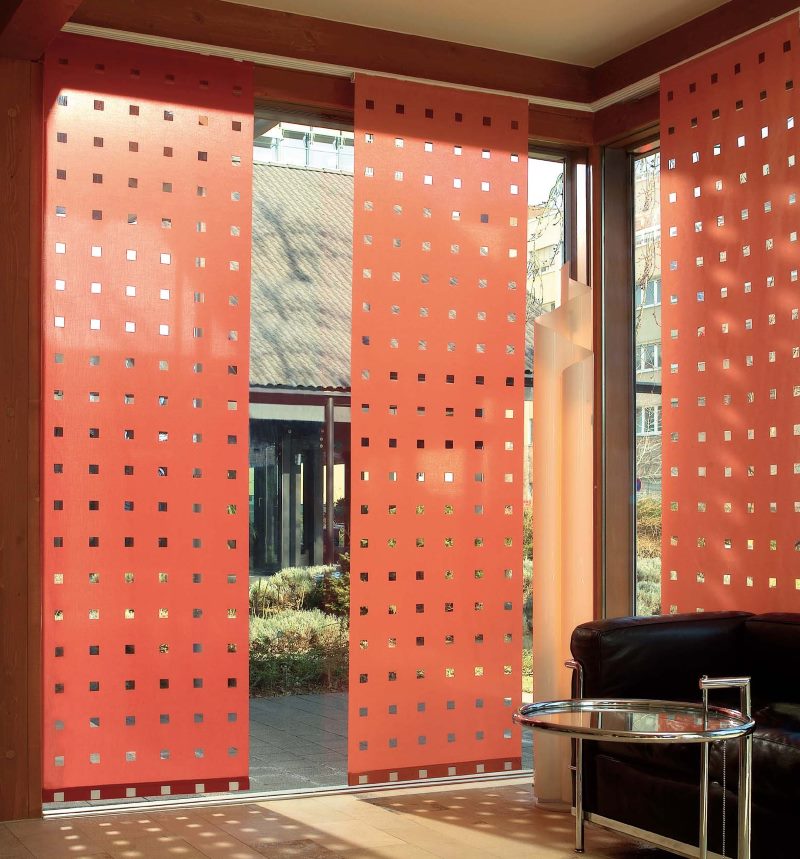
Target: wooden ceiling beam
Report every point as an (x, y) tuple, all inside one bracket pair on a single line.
[(627, 121), (701, 34), (265, 31), (324, 93), (554, 126), (28, 26)]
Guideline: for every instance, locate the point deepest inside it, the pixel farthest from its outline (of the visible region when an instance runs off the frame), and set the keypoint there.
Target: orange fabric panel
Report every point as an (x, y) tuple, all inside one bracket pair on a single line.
[(145, 420), (437, 396), (731, 334)]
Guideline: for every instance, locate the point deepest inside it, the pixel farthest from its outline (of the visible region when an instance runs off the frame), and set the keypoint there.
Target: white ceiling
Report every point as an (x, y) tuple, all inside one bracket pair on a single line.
[(584, 32)]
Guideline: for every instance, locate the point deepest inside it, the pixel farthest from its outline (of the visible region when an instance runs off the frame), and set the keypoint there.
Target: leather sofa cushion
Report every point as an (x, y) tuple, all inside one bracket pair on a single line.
[(776, 758), (772, 657), (679, 761), (658, 657), (646, 797), (653, 801)]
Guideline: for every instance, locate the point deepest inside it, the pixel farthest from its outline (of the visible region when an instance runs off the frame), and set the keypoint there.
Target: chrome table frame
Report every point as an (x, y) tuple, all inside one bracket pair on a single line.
[(527, 715)]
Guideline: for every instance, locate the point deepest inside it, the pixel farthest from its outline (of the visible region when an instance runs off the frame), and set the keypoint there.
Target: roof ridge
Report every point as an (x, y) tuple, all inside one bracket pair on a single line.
[(346, 173), (301, 277)]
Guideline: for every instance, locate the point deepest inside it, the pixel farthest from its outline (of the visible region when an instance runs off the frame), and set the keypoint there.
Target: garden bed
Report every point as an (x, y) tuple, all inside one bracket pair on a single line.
[(299, 631)]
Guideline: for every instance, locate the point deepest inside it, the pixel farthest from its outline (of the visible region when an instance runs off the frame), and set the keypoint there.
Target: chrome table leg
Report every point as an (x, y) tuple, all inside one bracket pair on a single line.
[(745, 778), (579, 821), (745, 766), (703, 837), (579, 796)]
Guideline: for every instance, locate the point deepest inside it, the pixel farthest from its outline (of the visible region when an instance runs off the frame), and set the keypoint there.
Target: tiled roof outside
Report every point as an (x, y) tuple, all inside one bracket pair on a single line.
[(301, 277)]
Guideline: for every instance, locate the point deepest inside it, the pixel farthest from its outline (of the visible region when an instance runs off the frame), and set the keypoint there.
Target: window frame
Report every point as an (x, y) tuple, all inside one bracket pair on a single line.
[(639, 350), (641, 424)]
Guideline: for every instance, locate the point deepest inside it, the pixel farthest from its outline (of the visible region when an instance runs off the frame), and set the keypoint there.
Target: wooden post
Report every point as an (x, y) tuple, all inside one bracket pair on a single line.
[(20, 396), (612, 282)]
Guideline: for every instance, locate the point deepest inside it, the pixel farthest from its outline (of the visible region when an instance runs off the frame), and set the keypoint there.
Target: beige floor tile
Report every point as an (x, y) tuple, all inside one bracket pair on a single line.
[(56, 842), (238, 816), (47, 849), (210, 839), (311, 810), (14, 849), (405, 851), (439, 843), (300, 849), (491, 820), (348, 834), (225, 847), (154, 846), (257, 833), (10, 846)]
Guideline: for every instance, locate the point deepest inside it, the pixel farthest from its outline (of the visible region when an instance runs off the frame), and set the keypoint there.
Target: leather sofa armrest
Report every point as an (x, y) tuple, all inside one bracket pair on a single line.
[(660, 657)]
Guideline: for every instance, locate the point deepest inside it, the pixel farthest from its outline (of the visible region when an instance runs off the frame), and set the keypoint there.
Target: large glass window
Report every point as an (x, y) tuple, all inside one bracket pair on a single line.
[(300, 454), (545, 259), (648, 357), (545, 234), (303, 146), (648, 420), (647, 380), (648, 293)]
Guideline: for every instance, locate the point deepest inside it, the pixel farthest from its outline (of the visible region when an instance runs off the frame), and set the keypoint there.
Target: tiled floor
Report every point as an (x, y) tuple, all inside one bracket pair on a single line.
[(490, 819), (300, 741)]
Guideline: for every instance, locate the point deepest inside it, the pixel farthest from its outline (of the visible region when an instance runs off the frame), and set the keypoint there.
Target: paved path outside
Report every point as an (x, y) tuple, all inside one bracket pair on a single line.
[(299, 741)]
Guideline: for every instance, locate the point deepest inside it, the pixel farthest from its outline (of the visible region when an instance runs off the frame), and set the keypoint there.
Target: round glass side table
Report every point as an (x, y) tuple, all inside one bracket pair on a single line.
[(650, 721)]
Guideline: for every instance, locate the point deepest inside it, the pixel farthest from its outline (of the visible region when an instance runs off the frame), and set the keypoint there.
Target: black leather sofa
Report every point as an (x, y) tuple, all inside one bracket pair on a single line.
[(656, 788)]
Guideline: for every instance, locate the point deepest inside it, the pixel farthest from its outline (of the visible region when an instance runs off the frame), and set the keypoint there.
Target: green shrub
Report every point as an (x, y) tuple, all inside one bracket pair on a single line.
[(527, 531), (335, 591), (527, 670), (299, 631), (648, 527), (297, 651), (648, 570), (290, 631), (527, 596), (299, 673), (648, 586), (292, 588)]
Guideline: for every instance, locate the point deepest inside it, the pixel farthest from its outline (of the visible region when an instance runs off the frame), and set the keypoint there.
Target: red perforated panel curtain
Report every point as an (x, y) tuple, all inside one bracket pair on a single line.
[(145, 361), (731, 334), (438, 348)]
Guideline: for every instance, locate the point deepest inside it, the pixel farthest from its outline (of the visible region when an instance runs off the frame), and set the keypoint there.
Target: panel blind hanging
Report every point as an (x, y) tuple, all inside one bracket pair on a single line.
[(145, 421), (731, 327), (440, 232)]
